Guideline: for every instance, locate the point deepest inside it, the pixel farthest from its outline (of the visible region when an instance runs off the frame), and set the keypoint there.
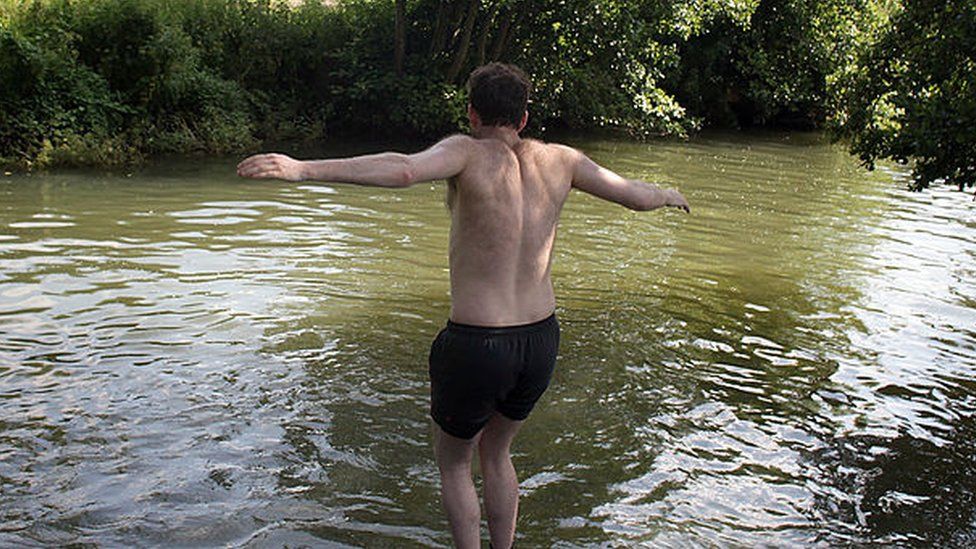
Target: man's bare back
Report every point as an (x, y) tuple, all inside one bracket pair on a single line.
[(505, 206)]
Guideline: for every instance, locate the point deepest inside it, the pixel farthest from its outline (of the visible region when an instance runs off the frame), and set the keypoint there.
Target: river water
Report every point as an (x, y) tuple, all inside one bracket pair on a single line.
[(191, 359)]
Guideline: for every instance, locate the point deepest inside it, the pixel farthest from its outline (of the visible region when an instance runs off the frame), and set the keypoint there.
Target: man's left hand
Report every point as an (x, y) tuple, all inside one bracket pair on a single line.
[(271, 166)]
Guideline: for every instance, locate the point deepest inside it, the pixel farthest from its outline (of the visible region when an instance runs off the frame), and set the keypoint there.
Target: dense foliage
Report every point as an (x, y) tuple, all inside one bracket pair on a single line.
[(911, 95), (770, 64), (104, 81), (107, 81)]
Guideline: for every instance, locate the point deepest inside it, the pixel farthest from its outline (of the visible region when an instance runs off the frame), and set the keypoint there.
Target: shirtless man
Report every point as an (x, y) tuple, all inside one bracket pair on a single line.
[(494, 359)]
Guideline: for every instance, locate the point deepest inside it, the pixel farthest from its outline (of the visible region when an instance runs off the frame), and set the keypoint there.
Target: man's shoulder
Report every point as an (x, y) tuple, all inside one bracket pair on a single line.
[(547, 146), (552, 151), (563, 148), (472, 147), (456, 140)]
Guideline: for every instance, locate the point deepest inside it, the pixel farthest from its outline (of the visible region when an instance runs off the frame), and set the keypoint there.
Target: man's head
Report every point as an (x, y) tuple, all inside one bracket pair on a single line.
[(499, 96)]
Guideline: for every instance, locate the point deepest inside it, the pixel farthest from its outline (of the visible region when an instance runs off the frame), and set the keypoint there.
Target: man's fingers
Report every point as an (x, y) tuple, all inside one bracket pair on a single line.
[(256, 171), (269, 173), (249, 168), (683, 202), (249, 171)]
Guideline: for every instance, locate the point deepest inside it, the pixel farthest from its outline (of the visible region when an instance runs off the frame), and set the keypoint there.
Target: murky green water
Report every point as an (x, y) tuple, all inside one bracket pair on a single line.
[(191, 359)]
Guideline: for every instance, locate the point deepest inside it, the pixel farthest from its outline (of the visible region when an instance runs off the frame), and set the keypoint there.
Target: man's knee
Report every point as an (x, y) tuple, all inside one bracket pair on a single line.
[(451, 451), (494, 448), (493, 454)]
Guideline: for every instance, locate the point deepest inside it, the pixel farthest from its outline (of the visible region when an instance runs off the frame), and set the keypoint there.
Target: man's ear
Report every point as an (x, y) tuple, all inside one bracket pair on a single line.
[(473, 117), (525, 120)]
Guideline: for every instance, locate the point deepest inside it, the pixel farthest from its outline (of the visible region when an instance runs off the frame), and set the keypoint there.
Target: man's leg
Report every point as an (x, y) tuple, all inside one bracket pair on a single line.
[(458, 496), (500, 482)]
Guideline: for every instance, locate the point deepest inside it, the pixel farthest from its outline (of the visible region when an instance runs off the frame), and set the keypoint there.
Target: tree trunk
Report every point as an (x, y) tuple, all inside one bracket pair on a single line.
[(465, 44), (512, 31), (501, 38), (440, 30), (455, 27), (400, 36), (483, 36)]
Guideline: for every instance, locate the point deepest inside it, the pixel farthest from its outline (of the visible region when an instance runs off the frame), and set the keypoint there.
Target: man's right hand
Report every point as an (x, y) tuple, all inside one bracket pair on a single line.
[(676, 200)]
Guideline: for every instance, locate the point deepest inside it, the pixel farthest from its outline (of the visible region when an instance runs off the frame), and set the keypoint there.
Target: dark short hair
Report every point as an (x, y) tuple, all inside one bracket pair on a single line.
[(499, 93)]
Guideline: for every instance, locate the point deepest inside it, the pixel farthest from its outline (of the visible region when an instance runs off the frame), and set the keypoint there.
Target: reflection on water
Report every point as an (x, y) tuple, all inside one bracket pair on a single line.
[(187, 358)]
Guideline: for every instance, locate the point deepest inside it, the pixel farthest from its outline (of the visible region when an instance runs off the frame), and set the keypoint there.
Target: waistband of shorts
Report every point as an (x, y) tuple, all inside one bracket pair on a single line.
[(502, 330)]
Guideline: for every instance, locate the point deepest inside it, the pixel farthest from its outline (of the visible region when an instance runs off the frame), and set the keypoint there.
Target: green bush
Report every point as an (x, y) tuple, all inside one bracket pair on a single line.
[(104, 82), (47, 100), (769, 65), (911, 94)]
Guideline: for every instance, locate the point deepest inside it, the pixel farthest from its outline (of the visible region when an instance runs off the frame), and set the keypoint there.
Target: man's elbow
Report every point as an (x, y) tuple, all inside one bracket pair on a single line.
[(404, 178), (405, 174)]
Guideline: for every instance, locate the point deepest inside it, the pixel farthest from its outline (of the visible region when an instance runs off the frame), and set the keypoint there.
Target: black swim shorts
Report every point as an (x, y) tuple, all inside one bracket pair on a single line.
[(476, 371)]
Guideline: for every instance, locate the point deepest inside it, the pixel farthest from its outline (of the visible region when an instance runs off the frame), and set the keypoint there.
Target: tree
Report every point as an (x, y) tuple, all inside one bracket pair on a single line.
[(461, 55), (766, 62), (911, 96)]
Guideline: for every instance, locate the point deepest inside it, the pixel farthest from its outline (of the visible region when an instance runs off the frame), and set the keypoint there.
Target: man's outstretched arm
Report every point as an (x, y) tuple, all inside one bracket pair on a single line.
[(444, 160), (590, 177)]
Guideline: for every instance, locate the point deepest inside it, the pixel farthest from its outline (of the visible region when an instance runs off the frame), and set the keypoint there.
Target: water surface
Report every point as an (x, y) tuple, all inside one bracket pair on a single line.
[(188, 359)]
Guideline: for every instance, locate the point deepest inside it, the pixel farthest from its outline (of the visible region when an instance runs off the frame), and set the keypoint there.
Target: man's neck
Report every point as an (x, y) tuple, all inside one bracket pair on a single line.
[(504, 134)]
